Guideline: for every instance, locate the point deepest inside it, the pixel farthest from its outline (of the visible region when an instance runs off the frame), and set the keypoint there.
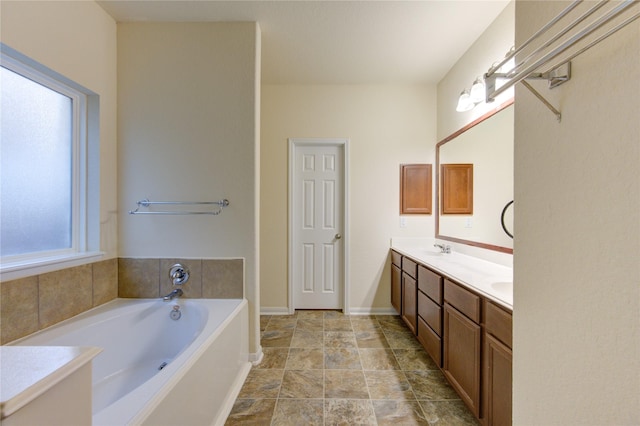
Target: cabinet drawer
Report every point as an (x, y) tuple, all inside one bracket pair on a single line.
[(396, 258), (463, 300), (410, 267), (430, 341), (431, 312), (498, 322), (430, 283)]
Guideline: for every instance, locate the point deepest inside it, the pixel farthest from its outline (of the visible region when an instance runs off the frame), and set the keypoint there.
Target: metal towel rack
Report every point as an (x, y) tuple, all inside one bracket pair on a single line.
[(551, 60), (146, 203)]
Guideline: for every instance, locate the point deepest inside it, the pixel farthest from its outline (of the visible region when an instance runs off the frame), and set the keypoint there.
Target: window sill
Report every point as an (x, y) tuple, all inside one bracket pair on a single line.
[(16, 270)]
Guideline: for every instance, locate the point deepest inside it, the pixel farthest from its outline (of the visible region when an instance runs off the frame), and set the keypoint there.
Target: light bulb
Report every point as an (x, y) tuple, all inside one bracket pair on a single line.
[(477, 93), (464, 102)]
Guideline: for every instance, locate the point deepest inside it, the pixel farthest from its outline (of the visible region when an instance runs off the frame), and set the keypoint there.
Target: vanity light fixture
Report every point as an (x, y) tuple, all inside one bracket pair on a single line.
[(470, 98), (464, 102), (477, 93)]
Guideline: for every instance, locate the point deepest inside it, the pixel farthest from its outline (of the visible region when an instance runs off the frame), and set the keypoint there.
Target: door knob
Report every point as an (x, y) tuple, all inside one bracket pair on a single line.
[(338, 236)]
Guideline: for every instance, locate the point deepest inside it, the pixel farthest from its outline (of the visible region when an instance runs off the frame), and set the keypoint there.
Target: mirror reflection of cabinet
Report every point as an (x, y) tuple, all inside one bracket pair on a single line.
[(457, 188), (415, 189)]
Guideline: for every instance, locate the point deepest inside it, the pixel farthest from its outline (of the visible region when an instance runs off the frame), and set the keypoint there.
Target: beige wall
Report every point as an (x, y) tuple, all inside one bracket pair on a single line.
[(492, 45), (187, 119), (577, 247), (77, 40), (386, 126)]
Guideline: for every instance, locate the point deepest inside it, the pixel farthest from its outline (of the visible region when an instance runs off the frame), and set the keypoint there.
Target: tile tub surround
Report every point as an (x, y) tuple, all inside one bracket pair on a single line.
[(208, 278), (325, 368), (33, 303)]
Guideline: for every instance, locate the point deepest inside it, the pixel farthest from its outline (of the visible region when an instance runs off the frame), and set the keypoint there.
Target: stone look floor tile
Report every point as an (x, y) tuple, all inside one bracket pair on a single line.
[(430, 384), (311, 324), (401, 339), (364, 324), (334, 315), (342, 359), (305, 359), (339, 339), (307, 339), (390, 384), (276, 338), (302, 384), (273, 358), (264, 320), (345, 384), (262, 384), (414, 359), (337, 325), (326, 368), (399, 413), (310, 314), (285, 323), (378, 359), (448, 413), (295, 412), (349, 412), (251, 412), (371, 339)]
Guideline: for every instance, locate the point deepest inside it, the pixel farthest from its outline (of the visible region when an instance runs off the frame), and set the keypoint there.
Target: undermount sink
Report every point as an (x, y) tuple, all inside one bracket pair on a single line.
[(428, 252), (503, 287)]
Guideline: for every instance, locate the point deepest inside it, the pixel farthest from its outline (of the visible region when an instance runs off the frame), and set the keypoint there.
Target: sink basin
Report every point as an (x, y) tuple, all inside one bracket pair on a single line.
[(505, 287)]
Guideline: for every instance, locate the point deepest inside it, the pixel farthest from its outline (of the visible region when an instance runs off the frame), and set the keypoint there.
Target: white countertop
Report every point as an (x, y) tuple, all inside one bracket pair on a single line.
[(491, 280), (26, 372)]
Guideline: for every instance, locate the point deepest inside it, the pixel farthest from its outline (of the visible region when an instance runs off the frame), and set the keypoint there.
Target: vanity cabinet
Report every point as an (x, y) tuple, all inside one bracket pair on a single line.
[(462, 338), (409, 293), (430, 312), (396, 281), (467, 335), (497, 365)]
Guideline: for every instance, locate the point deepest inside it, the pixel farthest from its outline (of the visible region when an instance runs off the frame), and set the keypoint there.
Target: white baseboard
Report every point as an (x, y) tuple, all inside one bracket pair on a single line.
[(372, 311), (256, 357), (274, 311), (352, 311)]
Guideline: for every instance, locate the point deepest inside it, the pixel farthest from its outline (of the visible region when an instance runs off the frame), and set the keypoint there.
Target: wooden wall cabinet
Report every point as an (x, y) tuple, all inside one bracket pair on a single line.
[(415, 189)]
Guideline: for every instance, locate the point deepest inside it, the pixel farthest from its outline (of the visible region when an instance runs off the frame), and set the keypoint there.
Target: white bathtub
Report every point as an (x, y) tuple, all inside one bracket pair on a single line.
[(155, 370)]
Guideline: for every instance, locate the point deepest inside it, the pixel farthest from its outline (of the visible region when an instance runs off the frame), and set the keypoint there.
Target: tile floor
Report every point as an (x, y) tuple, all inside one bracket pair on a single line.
[(325, 368)]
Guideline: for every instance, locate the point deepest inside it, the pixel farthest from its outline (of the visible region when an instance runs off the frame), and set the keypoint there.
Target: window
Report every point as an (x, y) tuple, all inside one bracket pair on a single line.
[(44, 161)]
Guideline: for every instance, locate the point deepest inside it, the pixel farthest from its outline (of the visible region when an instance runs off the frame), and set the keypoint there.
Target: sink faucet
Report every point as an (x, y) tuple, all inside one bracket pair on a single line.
[(444, 248), (175, 293)]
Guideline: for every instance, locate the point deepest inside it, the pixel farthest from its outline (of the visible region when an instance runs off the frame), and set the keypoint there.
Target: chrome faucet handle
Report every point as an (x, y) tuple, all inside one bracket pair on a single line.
[(179, 274)]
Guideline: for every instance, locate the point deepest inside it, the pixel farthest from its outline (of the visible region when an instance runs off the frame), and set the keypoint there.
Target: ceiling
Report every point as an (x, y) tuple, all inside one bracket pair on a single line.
[(340, 42)]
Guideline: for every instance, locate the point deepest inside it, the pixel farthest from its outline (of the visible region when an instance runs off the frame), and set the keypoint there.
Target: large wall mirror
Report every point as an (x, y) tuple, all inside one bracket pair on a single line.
[(487, 144)]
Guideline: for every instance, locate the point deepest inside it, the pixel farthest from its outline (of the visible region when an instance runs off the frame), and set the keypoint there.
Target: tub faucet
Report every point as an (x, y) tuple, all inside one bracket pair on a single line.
[(175, 293), (444, 248)]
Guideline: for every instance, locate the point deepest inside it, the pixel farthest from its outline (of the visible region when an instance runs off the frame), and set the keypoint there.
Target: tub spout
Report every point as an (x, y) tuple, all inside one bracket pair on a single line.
[(175, 293)]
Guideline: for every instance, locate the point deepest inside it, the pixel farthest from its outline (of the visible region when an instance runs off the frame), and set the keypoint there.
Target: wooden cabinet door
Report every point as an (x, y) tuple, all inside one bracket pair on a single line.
[(396, 290), (461, 363), (409, 301), (497, 382)]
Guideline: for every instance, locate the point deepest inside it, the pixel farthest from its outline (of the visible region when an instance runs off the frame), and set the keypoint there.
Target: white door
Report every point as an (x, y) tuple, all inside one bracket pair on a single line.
[(317, 217)]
